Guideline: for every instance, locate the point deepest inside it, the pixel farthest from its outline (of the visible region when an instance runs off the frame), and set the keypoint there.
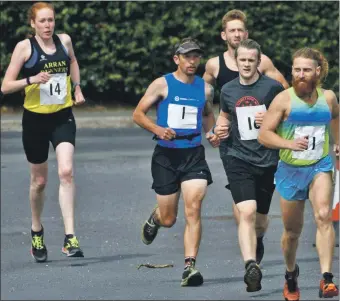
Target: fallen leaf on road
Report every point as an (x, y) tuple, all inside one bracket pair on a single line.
[(155, 266)]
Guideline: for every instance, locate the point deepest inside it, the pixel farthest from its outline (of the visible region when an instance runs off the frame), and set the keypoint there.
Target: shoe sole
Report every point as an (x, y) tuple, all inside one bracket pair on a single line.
[(253, 284), (76, 254), (329, 294), (251, 289), (286, 299), (37, 259), (195, 279)]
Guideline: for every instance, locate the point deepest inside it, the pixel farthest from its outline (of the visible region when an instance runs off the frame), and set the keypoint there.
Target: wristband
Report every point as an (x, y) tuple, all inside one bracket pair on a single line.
[(28, 81), (212, 130), (75, 85)]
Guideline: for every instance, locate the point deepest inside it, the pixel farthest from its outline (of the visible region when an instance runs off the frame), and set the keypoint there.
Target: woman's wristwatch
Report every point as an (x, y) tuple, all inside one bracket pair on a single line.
[(75, 85)]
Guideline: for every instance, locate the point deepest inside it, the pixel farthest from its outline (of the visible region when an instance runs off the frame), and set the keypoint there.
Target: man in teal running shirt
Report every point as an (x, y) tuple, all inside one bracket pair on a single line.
[(299, 122)]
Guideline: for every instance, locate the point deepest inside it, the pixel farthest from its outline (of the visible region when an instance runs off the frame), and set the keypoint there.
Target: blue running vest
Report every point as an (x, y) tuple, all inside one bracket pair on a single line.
[(182, 111)]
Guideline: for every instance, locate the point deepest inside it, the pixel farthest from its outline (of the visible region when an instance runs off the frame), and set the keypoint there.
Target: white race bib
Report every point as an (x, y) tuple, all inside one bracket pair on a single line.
[(54, 92), (316, 140), (182, 117), (246, 121)]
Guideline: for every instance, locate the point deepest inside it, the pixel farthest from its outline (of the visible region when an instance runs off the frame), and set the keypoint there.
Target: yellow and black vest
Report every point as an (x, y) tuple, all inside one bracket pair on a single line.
[(54, 95)]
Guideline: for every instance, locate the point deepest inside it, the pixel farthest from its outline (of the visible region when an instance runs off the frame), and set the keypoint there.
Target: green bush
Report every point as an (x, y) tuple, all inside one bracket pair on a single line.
[(123, 46)]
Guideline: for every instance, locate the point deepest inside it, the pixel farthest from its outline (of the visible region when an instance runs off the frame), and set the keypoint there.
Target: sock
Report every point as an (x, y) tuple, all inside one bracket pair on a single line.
[(189, 261), (153, 221), (292, 274), (328, 277), (248, 262), (67, 236), (260, 238), (39, 233)]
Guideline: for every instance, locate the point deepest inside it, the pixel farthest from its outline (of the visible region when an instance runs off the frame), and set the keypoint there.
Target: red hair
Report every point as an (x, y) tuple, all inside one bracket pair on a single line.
[(317, 56), (32, 12)]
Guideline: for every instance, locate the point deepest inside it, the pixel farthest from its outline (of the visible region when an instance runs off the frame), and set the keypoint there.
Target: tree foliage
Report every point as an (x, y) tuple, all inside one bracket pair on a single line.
[(123, 46)]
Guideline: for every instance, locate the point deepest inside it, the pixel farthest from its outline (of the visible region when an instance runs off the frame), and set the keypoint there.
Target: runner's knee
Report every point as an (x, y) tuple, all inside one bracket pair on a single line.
[(168, 221), (65, 174), (192, 212), (292, 233), (248, 216), (261, 223), (38, 183), (323, 216)]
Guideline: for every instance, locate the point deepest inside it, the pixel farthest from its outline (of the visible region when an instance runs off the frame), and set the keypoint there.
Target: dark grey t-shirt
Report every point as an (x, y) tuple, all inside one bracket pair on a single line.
[(242, 102)]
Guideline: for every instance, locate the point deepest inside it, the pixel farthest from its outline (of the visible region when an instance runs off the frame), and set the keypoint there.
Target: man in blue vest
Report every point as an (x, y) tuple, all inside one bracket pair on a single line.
[(184, 105)]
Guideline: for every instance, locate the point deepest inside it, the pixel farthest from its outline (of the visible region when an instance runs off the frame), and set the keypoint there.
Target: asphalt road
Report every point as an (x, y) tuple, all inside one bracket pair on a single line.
[(113, 199)]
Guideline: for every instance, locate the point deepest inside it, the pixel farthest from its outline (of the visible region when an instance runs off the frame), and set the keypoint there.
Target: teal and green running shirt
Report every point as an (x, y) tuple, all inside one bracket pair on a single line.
[(304, 120)]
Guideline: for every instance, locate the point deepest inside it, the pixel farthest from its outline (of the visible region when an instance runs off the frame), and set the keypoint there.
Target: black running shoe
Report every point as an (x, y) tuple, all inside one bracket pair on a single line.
[(259, 250), (38, 249), (71, 247), (291, 291), (253, 277), (149, 229), (191, 276)]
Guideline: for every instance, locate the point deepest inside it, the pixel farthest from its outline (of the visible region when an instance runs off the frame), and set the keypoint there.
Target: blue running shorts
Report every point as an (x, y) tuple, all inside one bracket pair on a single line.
[(292, 182)]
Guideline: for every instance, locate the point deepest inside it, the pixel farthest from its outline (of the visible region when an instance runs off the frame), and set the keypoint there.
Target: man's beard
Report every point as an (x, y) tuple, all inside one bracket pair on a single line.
[(187, 72), (304, 88), (233, 45)]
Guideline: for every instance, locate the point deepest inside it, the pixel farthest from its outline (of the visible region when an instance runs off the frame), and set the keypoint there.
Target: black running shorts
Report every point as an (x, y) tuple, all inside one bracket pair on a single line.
[(172, 166), (250, 182), (39, 129)]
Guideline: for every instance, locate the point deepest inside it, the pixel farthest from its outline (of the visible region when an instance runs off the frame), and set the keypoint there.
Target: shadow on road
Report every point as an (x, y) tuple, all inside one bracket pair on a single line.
[(73, 262)]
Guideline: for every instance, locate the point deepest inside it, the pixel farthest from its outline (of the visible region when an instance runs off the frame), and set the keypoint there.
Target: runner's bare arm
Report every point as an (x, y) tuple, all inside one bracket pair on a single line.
[(223, 118), (156, 91), (267, 135), (222, 129), (335, 115), (208, 75), (10, 84), (208, 117), (208, 111), (270, 70), (74, 68)]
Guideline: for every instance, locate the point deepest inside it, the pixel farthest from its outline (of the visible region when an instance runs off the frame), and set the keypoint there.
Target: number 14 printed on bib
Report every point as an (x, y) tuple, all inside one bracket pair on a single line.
[(54, 92)]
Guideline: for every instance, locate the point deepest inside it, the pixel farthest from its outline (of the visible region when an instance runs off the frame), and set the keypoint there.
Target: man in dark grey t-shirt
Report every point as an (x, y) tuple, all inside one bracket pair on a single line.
[(251, 166), (242, 102)]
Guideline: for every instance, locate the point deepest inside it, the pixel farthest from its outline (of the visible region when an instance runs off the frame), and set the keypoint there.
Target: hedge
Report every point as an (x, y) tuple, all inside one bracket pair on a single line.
[(123, 46)]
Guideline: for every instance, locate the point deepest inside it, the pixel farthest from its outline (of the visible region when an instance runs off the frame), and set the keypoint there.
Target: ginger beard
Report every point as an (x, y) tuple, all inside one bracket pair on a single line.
[(304, 87)]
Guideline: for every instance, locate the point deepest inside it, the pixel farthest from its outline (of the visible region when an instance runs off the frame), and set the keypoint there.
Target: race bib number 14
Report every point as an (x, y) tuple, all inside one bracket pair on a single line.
[(54, 92)]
